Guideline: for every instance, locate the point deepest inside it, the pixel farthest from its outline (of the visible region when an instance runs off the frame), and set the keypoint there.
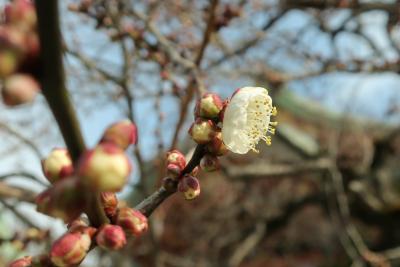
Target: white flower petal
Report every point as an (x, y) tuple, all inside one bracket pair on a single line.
[(247, 119)]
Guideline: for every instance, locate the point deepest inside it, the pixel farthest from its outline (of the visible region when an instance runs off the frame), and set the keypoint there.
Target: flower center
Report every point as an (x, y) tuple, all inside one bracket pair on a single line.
[(259, 125)]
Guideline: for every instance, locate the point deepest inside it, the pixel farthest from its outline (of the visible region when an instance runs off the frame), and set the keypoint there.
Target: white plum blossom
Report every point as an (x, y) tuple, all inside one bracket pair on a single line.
[(247, 120)]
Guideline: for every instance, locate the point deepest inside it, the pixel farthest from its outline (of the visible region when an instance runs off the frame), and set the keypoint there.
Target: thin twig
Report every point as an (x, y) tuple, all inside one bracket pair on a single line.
[(148, 205)]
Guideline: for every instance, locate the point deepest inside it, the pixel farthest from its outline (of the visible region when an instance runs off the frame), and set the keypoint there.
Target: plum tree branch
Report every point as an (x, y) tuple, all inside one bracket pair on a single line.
[(148, 205), (53, 88)]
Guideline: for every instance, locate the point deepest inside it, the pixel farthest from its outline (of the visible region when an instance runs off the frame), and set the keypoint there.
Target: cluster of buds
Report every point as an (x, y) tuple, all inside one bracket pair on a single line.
[(19, 53), (71, 248), (176, 178), (104, 169), (236, 125), (206, 131)]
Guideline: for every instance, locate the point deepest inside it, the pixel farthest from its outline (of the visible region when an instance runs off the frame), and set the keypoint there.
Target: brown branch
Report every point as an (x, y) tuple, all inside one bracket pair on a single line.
[(248, 244), (20, 194), (354, 5), (250, 43), (191, 84), (53, 88), (19, 215), (25, 175), (24, 139)]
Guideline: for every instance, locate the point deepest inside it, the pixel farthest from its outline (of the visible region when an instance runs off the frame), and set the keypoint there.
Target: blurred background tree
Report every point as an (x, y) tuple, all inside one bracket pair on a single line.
[(326, 193)]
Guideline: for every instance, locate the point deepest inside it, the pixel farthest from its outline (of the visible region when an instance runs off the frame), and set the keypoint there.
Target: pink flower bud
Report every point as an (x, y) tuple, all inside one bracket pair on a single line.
[(110, 202), (202, 131), (209, 163), (32, 46), (189, 186), (70, 249), (177, 158), (111, 237), (21, 13), (217, 146), (23, 262), (65, 200), (12, 38), (57, 165), (209, 106), (105, 168), (122, 134), (132, 221), (173, 171), (19, 89)]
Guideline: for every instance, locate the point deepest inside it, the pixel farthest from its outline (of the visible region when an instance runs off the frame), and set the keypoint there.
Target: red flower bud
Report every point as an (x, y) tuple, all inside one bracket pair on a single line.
[(21, 13), (132, 221), (217, 146), (65, 200), (57, 165), (110, 202), (202, 131), (177, 158), (23, 262), (208, 106), (189, 186), (111, 237), (209, 163), (173, 171), (105, 168), (70, 249), (12, 38), (122, 134), (19, 89)]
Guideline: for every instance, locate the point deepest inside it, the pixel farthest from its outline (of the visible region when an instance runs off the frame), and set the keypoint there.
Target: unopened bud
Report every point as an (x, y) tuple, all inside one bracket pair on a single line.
[(110, 203), (177, 158), (111, 237), (21, 13), (64, 200), (202, 131), (173, 171), (8, 62), (189, 186), (70, 249), (57, 165), (132, 221), (122, 134), (19, 89), (105, 168), (209, 106), (209, 163), (217, 146), (23, 262)]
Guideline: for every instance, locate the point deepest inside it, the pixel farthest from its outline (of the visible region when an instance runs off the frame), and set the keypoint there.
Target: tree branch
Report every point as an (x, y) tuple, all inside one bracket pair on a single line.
[(148, 205), (53, 88)]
